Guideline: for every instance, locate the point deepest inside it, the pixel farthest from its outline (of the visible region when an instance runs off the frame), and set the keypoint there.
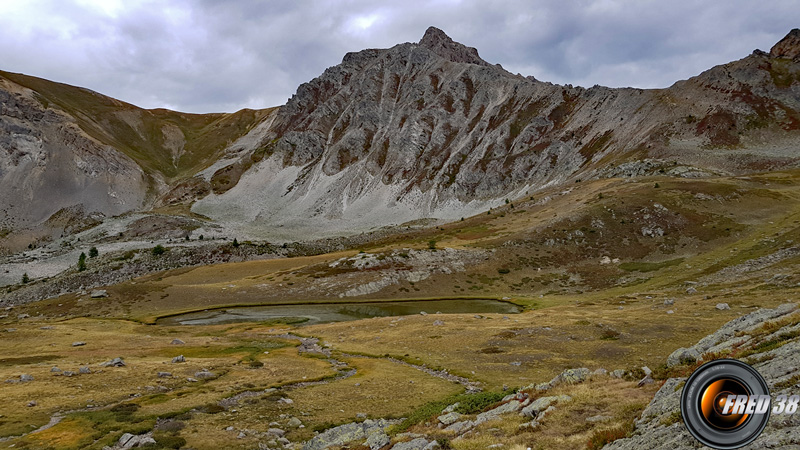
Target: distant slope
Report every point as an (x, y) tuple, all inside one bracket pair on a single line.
[(80, 154), (169, 143)]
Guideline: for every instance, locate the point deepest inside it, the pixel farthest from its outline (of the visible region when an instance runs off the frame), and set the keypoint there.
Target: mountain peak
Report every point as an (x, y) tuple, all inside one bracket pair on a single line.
[(440, 43), (788, 47)]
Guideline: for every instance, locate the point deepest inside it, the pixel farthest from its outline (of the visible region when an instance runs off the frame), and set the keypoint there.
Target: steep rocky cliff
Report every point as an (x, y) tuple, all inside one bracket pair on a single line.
[(49, 164)]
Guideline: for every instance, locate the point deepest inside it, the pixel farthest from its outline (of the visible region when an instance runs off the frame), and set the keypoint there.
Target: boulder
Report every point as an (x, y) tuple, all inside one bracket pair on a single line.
[(645, 381), (177, 342), (164, 375), (542, 403), (461, 427), (722, 306), (294, 422), (78, 344), (512, 406), (116, 362), (125, 439), (343, 434), (572, 376), (378, 440), (682, 356), (25, 378), (99, 293), (449, 418), (451, 408), (205, 374), (84, 370), (178, 359), (415, 444), (432, 445)]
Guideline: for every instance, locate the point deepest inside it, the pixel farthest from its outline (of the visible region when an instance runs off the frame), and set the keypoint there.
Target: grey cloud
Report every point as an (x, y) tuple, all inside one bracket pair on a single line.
[(206, 55)]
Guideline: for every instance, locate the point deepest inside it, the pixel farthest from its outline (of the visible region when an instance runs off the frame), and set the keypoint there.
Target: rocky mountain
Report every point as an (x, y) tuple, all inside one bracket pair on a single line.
[(419, 130), (429, 129)]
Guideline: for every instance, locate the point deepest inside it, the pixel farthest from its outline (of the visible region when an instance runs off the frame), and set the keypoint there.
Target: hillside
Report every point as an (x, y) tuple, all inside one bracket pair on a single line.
[(74, 157)]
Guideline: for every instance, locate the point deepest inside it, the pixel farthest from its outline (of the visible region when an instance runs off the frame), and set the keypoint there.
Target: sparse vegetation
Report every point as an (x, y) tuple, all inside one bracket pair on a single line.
[(158, 250)]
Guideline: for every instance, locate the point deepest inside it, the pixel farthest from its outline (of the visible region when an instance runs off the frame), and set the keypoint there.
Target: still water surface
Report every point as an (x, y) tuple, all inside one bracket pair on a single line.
[(340, 312)]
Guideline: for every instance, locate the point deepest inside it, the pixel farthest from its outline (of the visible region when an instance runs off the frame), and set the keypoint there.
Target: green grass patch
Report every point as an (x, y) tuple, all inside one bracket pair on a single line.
[(467, 404)]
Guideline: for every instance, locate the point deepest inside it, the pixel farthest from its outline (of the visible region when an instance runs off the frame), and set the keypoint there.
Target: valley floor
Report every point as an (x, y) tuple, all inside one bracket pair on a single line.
[(610, 274)]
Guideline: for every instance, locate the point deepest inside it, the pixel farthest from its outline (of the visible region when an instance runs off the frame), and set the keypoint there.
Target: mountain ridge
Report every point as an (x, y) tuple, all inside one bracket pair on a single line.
[(420, 130)]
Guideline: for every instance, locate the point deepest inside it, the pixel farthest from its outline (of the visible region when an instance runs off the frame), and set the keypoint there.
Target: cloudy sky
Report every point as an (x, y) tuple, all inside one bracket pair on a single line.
[(213, 55)]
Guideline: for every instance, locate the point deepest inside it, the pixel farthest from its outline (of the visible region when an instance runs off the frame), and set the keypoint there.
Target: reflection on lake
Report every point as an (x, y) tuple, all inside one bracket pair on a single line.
[(340, 312)]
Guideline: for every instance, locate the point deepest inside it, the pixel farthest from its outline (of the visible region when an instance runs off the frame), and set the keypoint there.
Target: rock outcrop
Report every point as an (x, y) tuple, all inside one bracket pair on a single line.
[(660, 427)]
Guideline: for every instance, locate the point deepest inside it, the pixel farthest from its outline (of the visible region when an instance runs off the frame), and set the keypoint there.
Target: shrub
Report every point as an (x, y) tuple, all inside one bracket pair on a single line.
[(432, 244), (168, 441), (25, 278), (125, 408), (211, 408), (158, 250), (93, 253), (503, 270), (609, 335), (82, 262), (171, 426), (235, 243), (467, 404)]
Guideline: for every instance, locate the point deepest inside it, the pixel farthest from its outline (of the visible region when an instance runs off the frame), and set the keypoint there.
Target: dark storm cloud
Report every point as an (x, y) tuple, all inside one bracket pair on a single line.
[(209, 55)]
